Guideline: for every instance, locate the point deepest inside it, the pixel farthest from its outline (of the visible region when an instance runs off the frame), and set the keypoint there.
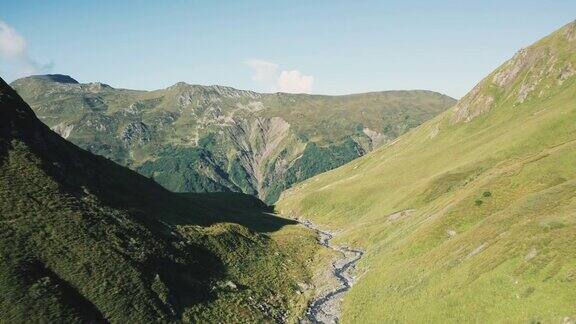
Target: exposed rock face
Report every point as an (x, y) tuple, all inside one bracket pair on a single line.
[(508, 73), (97, 87), (482, 98), (531, 73), (376, 139), (257, 141), (567, 72), (474, 104), (135, 132), (134, 109), (570, 32), (63, 130), (435, 131)]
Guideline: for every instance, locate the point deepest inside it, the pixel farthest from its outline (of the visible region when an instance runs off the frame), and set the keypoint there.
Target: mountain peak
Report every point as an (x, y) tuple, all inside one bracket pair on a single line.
[(59, 78)]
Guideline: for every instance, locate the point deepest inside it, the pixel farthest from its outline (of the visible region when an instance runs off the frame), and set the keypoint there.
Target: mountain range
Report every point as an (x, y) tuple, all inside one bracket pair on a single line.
[(192, 138)]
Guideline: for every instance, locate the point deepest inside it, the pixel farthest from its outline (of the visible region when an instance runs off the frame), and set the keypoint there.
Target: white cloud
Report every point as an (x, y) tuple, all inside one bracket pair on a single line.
[(264, 71), (295, 82), (11, 43), (14, 50), (267, 75)]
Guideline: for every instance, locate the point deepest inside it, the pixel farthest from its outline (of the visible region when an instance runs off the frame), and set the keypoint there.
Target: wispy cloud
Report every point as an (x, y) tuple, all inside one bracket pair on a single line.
[(14, 50), (264, 72), (12, 45), (268, 76)]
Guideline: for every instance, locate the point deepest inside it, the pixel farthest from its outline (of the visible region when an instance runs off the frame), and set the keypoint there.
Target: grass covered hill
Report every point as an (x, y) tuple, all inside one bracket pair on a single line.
[(470, 217), (85, 240), (193, 138)]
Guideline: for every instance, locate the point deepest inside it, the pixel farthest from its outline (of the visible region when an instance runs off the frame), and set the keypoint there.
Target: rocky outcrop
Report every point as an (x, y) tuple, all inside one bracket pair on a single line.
[(472, 105), (529, 74), (376, 139), (566, 72), (98, 87), (136, 132), (570, 32), (63, 130)]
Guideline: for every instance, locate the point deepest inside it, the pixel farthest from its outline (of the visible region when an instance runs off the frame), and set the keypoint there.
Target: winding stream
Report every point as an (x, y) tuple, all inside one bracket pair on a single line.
[(326, 308)]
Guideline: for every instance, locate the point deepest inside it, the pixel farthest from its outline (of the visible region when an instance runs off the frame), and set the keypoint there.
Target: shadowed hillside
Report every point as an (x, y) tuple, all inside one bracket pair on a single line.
[(83, 239)]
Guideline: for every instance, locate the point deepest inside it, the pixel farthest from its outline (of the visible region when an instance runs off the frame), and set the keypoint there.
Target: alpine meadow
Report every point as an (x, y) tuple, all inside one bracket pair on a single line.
[(471, 216), (258, 162)]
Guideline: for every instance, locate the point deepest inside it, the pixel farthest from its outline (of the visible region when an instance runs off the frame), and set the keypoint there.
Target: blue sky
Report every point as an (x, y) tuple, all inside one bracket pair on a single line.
[(326, 47)]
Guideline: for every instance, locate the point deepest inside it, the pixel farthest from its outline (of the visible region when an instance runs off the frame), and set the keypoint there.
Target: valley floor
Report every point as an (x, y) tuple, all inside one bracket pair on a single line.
[(325, 307)]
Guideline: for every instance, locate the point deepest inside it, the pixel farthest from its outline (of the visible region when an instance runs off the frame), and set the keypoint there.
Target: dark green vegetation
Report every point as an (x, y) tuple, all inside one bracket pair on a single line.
[(470, 217), (193, 138), (83, 239)]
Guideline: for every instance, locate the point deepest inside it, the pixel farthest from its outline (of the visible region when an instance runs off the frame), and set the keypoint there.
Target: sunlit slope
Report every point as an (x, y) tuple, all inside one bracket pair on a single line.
[(488, 194)]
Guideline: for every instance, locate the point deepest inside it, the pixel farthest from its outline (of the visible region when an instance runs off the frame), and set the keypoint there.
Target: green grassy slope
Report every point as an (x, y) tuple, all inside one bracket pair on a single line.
[(192, 138), (470, 217), (83, 239)]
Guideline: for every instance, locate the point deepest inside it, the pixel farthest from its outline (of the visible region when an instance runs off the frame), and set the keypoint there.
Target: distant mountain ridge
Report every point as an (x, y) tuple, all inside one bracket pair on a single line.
[(193, 138)]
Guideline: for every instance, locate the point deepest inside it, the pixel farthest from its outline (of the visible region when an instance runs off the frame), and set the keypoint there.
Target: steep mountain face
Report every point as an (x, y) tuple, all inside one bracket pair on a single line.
[(472, 216), (85, 240), (193, 138)]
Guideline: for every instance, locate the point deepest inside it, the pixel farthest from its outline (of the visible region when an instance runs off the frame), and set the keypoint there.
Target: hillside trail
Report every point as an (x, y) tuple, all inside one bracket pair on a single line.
[(326, 308)]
